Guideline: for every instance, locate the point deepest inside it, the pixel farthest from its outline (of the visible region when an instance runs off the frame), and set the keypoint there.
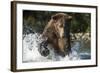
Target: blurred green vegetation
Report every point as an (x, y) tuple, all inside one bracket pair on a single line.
[(36, 20)]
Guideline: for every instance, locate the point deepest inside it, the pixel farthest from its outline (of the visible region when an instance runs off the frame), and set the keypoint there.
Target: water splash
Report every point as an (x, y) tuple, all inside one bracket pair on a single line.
[(31, 54)]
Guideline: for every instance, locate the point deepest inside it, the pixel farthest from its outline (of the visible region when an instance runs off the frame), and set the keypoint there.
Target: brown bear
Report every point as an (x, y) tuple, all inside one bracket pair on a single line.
[(55, 32)]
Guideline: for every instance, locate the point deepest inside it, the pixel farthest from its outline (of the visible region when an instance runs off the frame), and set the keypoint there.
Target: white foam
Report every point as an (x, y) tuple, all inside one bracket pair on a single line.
[(31, 54)]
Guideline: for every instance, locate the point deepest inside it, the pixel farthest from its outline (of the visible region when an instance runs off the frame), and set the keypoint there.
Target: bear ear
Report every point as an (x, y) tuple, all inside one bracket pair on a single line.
[(55, 17)]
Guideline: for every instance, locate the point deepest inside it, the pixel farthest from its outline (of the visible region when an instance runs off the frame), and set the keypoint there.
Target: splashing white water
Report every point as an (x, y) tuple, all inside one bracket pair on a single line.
[(31, 53)]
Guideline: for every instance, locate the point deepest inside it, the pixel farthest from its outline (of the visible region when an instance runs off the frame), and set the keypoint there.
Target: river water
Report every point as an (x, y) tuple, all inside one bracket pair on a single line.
[(31, 54)]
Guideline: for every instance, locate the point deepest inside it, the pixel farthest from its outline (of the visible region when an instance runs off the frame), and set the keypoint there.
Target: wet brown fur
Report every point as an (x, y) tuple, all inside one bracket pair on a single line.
[(52, 32)]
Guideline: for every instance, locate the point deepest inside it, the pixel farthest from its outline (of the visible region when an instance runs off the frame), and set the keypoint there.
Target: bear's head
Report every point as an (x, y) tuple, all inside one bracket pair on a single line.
[(59, 22)]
